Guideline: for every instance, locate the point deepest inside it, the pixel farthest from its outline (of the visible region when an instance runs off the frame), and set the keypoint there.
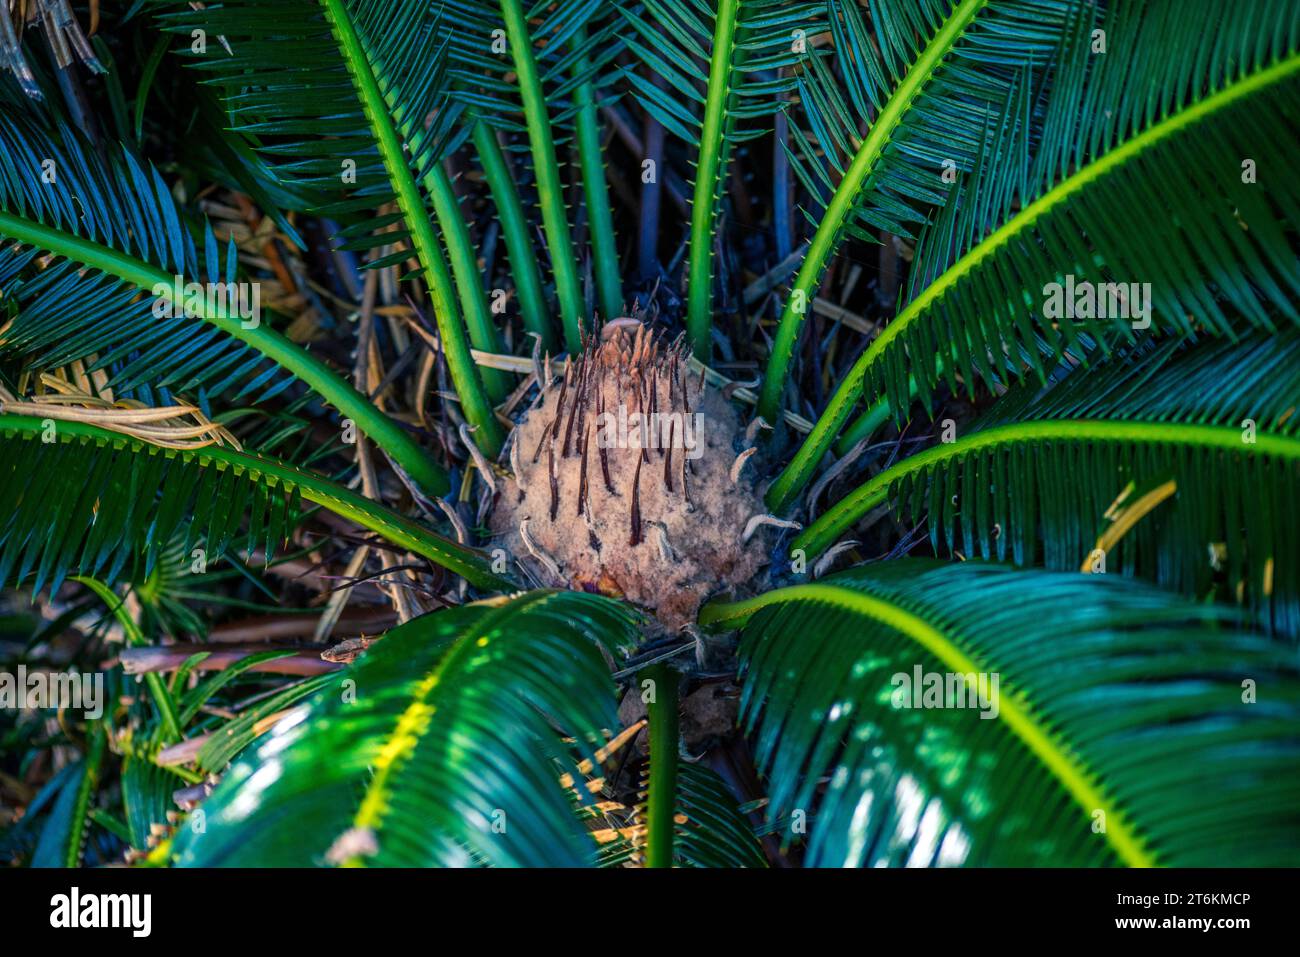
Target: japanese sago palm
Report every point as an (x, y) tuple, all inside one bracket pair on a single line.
[(1006, 573)]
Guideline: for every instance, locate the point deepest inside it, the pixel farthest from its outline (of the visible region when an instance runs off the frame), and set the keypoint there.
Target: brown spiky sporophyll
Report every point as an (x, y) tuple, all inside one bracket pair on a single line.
[(623, 480)]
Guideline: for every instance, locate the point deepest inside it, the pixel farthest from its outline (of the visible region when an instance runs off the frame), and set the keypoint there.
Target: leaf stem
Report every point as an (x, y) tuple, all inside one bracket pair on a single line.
[(95, 747), (455, 344), (515, 230), (550, 193), (483, 334), (167, 715), (844, 201), (661, 792), (600, 220), (708, 188)]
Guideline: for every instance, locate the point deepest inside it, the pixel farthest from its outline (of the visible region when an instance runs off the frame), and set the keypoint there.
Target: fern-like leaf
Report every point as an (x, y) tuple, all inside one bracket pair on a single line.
[(752, 48), (347, 100), (444, 755), (1216, 254), (949, 77), (1177, 464), (88, 264), (1118, 710), (76, 498)]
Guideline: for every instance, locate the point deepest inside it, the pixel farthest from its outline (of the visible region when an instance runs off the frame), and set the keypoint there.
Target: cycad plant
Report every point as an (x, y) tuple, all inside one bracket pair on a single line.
[(615, 432)]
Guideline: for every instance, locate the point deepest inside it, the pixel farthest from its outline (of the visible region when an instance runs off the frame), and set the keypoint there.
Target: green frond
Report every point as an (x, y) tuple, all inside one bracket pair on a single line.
[(573, 42), (1191, 457), (62, 839), (90, 266), (20, 840), (550, 193), (287, 83), (443, 752), (972, 108), (118, 232), (168, 727), (600, 218), (1105, 91), (1207, 381), (716, 833), (536, 71), (76, 498), (752, 48), (147, 791), (516, 230), (229, 739), (1216, 251), (659, 809), (950, 78), (336, 96), (1127, 726)]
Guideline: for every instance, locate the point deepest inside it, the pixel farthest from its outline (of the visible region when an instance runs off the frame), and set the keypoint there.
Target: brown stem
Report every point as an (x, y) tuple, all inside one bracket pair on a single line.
[(154, 658)]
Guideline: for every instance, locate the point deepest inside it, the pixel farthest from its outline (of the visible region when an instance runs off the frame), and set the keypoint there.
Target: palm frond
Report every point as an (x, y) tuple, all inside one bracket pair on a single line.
[(600, 218), (63, 838), (517, 231), (118, 218), (444, 753), (102, 268), (283, 74), (1178, 464), (752, 48), (950, 78), (229, 739), (1216, 254), (716, 833), (574, 42), (536, 71), (80, 498), (147, 791), (348, 101), (1147, 729), (976, 109), (539, 73), (1221, 239)]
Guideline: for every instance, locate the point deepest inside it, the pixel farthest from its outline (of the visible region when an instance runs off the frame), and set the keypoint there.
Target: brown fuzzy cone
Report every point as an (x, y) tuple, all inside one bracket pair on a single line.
[(652, 516)]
